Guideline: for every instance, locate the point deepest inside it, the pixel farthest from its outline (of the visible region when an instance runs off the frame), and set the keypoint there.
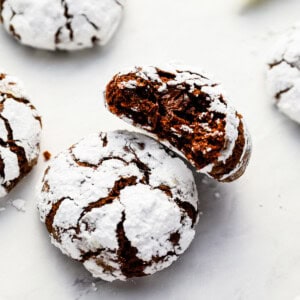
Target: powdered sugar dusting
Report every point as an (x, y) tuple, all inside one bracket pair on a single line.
[(148, 206), (62, 24), (231, 128), (246, 150), (20, 130), (283, 75)]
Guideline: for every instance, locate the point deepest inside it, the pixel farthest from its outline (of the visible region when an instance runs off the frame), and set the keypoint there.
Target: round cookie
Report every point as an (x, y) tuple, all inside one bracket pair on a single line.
[(283, 74), (187, 112), (121, 203), (61, 24), (20, 129)]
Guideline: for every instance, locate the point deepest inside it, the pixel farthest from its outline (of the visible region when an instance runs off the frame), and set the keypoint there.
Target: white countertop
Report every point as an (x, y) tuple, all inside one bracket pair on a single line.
[(247, 244)]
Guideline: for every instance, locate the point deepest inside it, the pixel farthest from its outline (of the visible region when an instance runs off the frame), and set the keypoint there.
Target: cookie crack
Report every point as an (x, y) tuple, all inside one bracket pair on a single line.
[(141, 165), (68, 24), (283, 60), (114, 194), (94, 39), (130, 264), (280, 93), (69, 18), (1, 9), (103, 137), (2, 167), (16, 149), (188, 208), (99, 260), (91, 254), (90, 22), (50, 218), (6, 96), (8, 128), (22, 100), (12, 28), (164, 188), (95, 166)]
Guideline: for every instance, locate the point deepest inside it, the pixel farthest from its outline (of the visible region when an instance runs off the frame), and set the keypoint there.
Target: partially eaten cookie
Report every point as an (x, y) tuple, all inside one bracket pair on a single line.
[(188, 113)]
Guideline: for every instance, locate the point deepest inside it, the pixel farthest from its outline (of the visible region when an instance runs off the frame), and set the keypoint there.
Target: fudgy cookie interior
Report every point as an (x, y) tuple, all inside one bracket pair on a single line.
[(179, 116), (187, 111)]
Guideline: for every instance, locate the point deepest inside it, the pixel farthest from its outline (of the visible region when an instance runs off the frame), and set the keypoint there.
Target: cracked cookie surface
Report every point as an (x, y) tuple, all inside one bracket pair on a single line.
[(61, 24), (121, 203), (187, 112), (283, 74), (20, 129)]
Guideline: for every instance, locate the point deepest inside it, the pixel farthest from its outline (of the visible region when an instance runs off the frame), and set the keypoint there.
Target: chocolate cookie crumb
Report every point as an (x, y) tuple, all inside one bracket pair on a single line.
[(47, 155)]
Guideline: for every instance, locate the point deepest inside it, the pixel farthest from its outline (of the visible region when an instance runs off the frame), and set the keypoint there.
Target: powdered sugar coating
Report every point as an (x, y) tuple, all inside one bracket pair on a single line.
[(20, 129), (120, 203), (61, 24), (195, 84), (283, 75), (247, 148)]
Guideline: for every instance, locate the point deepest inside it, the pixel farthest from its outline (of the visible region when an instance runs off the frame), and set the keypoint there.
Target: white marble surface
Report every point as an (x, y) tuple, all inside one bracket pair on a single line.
[(247, 244)]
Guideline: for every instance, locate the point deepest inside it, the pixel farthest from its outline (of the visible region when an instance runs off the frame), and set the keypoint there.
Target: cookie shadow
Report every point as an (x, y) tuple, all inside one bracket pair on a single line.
[(261, 6)]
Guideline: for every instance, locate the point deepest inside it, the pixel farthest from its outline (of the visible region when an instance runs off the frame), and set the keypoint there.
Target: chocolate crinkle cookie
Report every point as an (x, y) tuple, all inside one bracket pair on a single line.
[(20, 129), (187, 112), (120, 203), (283, 73), (61, 24)]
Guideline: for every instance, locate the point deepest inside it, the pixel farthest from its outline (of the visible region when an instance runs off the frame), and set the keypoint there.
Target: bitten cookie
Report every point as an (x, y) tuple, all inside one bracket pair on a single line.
[(283, 74), (61, 24), (187, 112), (120, 203), (20, 129)]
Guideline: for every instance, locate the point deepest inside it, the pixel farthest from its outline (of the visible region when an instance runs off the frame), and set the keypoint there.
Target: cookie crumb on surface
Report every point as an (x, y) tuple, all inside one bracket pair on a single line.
[(47, 155), (19, 204)]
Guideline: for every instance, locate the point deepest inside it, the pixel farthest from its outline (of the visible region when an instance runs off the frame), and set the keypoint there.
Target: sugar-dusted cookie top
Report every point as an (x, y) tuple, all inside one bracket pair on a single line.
[(120, 203), (61, 24)]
